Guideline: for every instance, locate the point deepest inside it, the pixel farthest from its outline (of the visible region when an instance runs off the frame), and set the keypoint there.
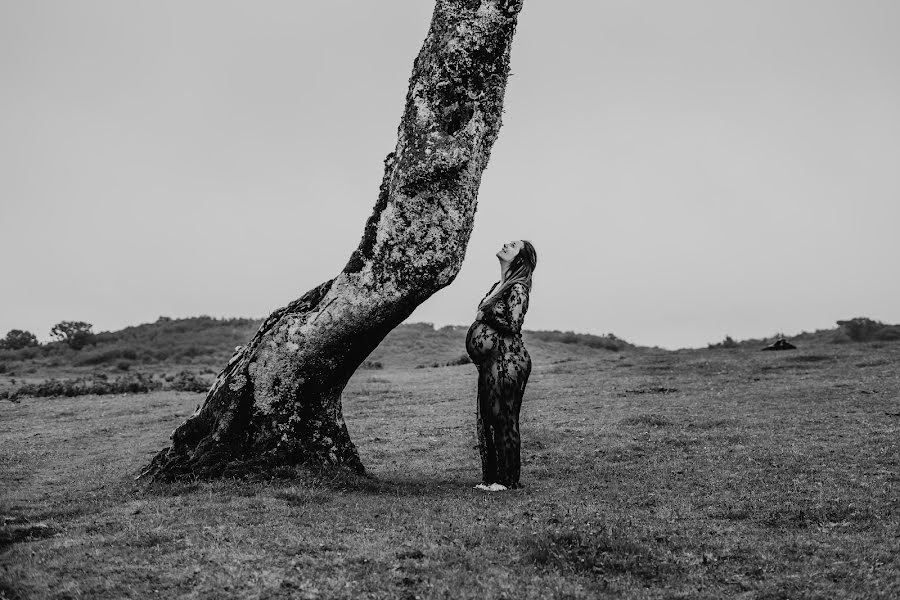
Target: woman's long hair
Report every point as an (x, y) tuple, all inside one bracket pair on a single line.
[(519, 271)]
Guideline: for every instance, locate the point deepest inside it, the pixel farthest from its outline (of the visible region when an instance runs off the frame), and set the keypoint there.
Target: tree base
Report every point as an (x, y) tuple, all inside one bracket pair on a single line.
[(170, 466)]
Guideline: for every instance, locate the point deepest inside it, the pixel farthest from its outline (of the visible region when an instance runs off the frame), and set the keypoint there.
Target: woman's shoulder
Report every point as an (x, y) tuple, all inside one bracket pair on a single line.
[(516, 294)]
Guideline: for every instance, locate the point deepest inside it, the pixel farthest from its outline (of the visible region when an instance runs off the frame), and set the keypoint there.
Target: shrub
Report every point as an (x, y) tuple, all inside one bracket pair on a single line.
[(187, 381), (605, 342), (188, 352), (862, 329), (17, 339), (134, 383), (30, 352), (726, 343), (463, 359), (889, 333), (109, 355), (840, 337), (76, 334)]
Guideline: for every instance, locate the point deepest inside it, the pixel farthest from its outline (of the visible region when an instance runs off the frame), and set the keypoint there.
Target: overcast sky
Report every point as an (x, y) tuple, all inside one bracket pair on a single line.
[(686, 170)]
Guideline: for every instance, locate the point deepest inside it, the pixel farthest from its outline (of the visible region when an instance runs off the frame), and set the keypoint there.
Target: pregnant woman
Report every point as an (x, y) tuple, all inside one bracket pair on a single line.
[(494, 344)]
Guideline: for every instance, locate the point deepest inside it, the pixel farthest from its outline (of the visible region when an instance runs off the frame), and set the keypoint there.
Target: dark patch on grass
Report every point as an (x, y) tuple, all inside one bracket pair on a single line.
[(246, 491), (740, 512), (178, 488), (615, 551), (784, 367), (150, 539), (796, 514), (9, 591), (800, 516), (658, 368), (14, 533), (652, 390), (677, 441), (303, 497), (873, 363), (330, 480), (562, 370), (713, 424), (798, 362), (286, 482), (726, 439), (648, 420), (104, 528), (810, 358), (65, 512)]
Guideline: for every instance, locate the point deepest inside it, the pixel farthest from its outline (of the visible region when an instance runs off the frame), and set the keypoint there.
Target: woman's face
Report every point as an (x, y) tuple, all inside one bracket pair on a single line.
[(510, 250)]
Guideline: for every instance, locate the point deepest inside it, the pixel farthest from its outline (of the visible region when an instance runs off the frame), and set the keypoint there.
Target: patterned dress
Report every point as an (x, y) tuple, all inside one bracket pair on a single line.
[(494, 344)]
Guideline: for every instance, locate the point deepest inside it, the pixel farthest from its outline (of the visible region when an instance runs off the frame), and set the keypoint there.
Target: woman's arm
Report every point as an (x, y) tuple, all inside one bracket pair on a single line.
[(516, 306)]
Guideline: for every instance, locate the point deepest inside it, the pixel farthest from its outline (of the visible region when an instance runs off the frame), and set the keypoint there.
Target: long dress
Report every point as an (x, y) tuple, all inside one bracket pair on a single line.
[(494, 344)]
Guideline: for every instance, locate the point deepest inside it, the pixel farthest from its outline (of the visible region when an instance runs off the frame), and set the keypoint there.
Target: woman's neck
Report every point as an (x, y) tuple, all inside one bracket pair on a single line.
[(504, 272)]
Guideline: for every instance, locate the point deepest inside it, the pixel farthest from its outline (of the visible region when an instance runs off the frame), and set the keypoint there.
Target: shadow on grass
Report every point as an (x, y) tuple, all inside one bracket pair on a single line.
[(797, 514), (304, 485), (9, 592), (612, 550), (22, 530)]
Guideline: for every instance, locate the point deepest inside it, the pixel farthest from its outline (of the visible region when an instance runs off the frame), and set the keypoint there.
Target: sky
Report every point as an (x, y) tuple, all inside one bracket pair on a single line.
[(686, 170)]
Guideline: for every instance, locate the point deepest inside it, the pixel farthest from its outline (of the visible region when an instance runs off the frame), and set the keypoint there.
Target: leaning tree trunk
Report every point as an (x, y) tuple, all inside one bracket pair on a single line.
[(278, 401)]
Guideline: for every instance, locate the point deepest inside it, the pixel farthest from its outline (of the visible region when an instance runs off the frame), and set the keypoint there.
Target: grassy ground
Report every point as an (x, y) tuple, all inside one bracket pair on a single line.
[(648, 474)]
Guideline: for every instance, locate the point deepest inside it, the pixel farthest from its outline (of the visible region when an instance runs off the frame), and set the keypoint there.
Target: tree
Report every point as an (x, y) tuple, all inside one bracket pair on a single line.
[(278, 401), (77, 334), (17, 339)]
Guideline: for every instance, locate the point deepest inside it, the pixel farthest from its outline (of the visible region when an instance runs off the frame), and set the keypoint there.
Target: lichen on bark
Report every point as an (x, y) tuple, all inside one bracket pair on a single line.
[(277, 402)]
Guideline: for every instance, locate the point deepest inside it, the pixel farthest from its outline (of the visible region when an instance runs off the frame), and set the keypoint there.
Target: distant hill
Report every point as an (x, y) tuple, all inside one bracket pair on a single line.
[(858, 329), (204, 345), (420, 345), (176, 350)]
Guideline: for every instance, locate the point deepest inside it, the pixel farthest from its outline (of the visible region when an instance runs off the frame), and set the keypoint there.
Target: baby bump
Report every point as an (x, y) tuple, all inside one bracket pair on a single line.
[(481, 342)]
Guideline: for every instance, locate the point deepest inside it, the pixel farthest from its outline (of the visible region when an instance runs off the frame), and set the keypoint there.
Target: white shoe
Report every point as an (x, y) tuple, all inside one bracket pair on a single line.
[(494, 487)]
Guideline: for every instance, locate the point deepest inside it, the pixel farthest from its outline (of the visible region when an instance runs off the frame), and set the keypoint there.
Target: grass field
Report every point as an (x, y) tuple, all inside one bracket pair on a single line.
[(647, 474)]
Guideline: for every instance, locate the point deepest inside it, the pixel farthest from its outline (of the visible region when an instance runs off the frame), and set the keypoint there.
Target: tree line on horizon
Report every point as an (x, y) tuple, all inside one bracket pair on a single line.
[(178, 338), (75, 334)]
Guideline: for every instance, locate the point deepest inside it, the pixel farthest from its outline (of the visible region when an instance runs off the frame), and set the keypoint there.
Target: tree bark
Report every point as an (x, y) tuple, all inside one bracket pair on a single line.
[(278, 401)]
